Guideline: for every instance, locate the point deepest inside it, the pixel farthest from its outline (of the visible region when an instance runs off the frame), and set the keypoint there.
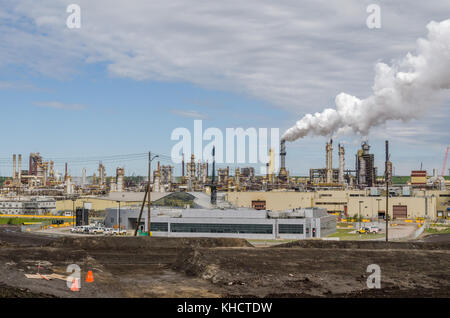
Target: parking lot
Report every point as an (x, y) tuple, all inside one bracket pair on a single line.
[(97, 230)]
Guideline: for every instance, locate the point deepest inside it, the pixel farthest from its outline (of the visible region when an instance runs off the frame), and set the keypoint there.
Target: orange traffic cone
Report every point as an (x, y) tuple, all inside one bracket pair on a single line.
[(90, 277), (75, 286)]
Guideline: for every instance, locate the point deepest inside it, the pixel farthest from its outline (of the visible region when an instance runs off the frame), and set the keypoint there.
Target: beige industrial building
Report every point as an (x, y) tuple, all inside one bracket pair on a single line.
[(127, 199), (432, 204)]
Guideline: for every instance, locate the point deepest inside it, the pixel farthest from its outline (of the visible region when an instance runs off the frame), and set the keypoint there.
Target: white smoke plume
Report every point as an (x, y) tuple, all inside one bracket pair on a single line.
[(402, 91)]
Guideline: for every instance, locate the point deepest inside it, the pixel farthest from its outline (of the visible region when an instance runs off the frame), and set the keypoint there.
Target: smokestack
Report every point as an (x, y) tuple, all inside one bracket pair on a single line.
[(283, 154), (20, 169), (341, 164), (283, 173), (65, 175), (329, 161), (83, 178), (52, 171), (182, 167), (14, 167), (213, 186)]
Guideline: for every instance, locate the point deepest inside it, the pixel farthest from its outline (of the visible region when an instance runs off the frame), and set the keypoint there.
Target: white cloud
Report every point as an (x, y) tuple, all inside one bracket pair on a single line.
[(59, 105), (296, 55), (7, 85), (189, 114), (293, 55)]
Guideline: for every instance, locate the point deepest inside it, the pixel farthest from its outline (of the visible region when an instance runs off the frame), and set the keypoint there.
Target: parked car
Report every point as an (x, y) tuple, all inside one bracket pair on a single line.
[(363, 230), (95, 230), (119, 232), (374, 229), (77, 229), (108, 231)]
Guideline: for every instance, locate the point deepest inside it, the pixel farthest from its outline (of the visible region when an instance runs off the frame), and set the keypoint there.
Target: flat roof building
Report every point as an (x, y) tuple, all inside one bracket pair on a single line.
[(237, 223)]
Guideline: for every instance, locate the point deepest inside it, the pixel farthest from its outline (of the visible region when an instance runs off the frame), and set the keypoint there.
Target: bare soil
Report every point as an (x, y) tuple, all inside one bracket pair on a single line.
[(206, 267)]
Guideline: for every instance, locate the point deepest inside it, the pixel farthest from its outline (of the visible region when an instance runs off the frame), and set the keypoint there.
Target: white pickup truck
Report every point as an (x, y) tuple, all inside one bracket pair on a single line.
[(374, 229)]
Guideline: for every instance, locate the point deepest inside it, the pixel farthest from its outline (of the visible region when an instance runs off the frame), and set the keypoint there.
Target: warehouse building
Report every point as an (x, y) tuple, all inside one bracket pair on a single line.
[(370, 203), (236, 223)]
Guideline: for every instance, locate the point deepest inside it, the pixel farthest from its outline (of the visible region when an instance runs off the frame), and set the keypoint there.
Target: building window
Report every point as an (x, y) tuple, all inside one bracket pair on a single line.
[(159, 227), (290, 228), (221, 228)]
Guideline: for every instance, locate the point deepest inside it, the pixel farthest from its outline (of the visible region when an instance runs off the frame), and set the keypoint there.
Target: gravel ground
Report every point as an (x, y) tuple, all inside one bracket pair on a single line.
[(181, 267)]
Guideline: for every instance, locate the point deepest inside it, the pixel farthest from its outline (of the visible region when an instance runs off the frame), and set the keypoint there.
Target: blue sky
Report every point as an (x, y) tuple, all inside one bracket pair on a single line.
[(137, 70)]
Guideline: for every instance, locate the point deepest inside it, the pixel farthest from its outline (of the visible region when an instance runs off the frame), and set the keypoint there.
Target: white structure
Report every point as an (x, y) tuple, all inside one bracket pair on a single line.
[(28, 205), (238, 223)]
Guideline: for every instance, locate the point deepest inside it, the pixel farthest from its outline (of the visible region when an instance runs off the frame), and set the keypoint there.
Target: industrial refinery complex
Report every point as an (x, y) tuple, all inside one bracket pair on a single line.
[(343, 192)]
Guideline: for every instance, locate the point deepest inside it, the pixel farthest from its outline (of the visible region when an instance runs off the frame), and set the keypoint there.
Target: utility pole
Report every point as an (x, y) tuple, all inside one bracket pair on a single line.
[(386, 179), (149, 191), (213, 185), (149, 188), (359, 215), (73, 212), (142, 209)]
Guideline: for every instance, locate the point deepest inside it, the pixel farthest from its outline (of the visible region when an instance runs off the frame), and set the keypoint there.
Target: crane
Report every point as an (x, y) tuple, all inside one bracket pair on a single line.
[(445, 162)]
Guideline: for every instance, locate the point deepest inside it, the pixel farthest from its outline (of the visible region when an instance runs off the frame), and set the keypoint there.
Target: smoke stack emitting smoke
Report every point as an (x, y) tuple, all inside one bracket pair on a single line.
[(400, 92)]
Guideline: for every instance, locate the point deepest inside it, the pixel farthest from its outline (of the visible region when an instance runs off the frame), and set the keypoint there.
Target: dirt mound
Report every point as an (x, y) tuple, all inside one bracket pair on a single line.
[(14, 292), (193, 263), (137, 243), (366, 245)]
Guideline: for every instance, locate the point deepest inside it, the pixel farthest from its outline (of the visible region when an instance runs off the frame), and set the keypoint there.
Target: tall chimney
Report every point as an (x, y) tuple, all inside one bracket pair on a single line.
[(83, 177), (20, 169), (14, 167), (329, 161), (283, 173), (182, 167), (213, 185), (341, 164), (283, 154)]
